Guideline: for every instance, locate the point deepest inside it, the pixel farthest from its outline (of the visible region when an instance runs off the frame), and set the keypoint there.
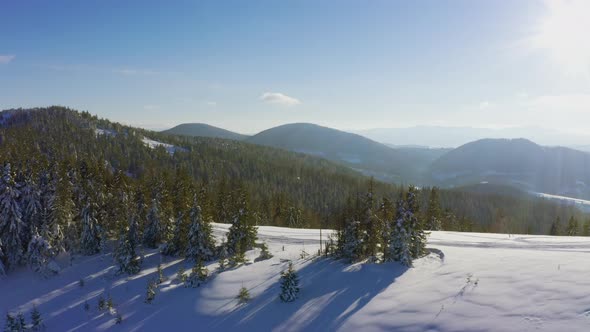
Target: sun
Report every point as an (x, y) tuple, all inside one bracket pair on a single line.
[(564, 33)]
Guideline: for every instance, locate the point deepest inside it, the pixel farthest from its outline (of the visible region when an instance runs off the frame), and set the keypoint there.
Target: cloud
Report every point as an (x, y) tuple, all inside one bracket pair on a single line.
[(484, 105), (4, 59), (211, 103), (279, 99)]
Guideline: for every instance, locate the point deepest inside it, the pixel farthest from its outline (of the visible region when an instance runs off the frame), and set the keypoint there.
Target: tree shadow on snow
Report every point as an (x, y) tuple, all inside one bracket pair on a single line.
[(331, 292)]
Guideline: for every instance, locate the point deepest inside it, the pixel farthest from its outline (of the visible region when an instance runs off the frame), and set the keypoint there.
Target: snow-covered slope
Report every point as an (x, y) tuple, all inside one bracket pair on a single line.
[(469, 282), (171, 149)]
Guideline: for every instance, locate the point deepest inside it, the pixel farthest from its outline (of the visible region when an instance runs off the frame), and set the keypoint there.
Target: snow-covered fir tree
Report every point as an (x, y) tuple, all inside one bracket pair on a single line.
[(36, 320), (12, 227), (65, 232), (351, 245), (126, 254), (90, 239), (413, 224), (177, 244), (243, 295), (289, 285), (31, 203), (40, 253), (223, 256), (200, 239), (150, 291), (2, 258), (152, 234), (294, 217), (369, 228), (242, 233), (433, 213), (400, 239)]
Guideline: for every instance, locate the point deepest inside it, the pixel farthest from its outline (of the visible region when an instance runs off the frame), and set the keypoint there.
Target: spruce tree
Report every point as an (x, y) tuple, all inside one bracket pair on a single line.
[(90, 239), (433, 214), (198, 275), (243, 295), (12, 227), (36, 320), (414, 226), (351, 241), (39, 254), (573, 226), (152, 234), (400, 239), (150, 291), (242, 233), (223, 256), (178, 243), (126, 252), (264, 253), (289, 285), (556, 227), (181, 274), (200, 239), (160, 272)]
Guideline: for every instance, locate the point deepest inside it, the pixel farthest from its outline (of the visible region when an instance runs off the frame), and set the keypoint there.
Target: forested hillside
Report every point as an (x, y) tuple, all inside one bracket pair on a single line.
[(73, 182)]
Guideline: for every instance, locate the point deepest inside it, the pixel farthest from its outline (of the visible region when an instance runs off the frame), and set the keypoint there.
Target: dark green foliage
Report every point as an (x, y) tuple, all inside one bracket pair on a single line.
[(243, 296), (150, 291), (289, 285)]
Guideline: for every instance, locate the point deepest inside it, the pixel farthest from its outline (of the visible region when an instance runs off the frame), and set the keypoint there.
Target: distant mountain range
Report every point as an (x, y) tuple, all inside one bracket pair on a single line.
[(440, 136), (203, 130), (518, 163)]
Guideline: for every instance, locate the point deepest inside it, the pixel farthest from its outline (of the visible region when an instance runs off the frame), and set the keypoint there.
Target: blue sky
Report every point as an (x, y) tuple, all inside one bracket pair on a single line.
[(250, 65)]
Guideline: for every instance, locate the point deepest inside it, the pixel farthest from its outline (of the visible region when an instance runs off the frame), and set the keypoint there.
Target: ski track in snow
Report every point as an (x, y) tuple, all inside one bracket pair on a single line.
[(468, 282)]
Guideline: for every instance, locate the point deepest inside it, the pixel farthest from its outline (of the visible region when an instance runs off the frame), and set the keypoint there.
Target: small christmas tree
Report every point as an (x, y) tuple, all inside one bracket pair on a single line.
[(36, 320), (289, 285), (198, 275), (20, 324), (161, 277), (150, 292), (101, 303), (223, 257), (181, 275), (264, 253), (10, 323), (109, 304), (243, 296)]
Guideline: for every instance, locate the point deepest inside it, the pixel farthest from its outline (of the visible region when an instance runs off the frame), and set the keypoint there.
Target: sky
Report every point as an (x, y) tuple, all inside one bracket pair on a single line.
[(250, 65)]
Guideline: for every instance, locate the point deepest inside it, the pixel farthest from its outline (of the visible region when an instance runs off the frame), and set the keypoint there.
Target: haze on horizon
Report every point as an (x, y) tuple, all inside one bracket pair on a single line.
[(345, 64)]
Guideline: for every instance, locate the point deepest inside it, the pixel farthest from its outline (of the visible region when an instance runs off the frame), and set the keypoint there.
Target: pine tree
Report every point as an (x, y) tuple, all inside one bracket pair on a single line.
[(400, 239), (126, 252), (413, 224), (152, 234), (264, 253), (556, 227), (90, 240), (351, 241), (198, 275), (2, 268), (36, 320), (12, 228), (20, 323), (370, 231), (433, 214), (585, 230), (294, 218), (223, 257), (200, 239), (242, 233), (160, 272), (289, 285), (65, 232), (10, 324), (181, 274), (150, 292), (243, 295), (178, 242), (573, 226), (39, 254), (101, 303)]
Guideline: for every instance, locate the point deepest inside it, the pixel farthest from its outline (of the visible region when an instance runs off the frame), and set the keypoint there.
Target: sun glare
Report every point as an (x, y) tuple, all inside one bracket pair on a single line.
[(564, 32)]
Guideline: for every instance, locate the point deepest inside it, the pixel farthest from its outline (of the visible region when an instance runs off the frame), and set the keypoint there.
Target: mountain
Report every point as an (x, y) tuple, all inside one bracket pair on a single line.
[(358, 152), (441, 136), (203, 130), (518, 162)]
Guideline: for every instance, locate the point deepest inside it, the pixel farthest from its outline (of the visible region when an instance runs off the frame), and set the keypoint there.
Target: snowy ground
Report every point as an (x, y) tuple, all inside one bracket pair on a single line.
[(469, 282), (171, 149)]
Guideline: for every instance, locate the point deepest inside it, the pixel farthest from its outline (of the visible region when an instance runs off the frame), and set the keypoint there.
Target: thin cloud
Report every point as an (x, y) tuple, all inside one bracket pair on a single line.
[(4, 59), (211, 103), (279, 99), (484, 105)]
